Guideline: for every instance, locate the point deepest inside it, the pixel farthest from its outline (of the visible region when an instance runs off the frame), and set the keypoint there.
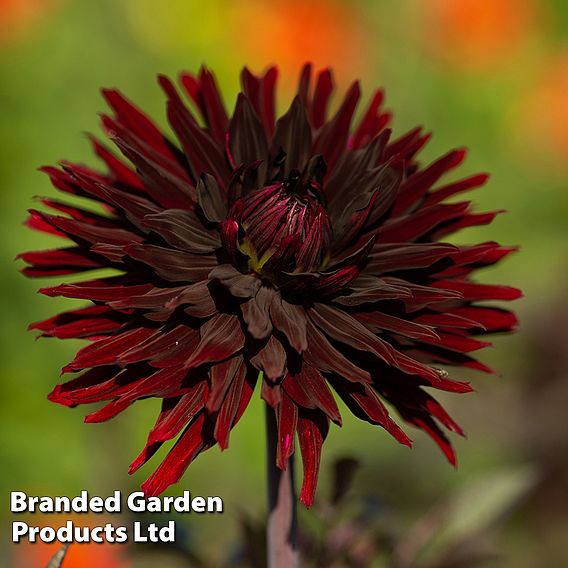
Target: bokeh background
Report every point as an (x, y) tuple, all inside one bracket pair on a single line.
[(491, 75)]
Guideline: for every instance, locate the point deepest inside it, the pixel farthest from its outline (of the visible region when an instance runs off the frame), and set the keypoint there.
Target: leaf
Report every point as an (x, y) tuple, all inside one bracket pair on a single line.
[(485, 502), (472, 511)]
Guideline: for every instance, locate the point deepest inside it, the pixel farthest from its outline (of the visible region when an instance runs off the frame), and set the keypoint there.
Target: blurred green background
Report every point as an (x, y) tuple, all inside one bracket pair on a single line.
[(491, 75)]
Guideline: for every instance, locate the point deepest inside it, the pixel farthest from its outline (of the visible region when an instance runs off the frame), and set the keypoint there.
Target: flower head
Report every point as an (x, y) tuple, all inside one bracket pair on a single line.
[(302, 250)]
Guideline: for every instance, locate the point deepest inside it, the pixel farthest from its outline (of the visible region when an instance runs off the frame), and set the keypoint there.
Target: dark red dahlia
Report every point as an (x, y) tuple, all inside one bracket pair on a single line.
[(301, 252)]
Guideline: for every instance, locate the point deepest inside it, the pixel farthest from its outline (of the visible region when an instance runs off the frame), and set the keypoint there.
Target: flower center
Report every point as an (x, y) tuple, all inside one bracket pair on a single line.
[(286, 227)]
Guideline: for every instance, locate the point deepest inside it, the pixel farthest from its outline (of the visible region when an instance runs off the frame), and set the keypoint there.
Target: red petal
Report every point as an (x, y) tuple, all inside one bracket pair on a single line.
[(287, 417), (175, 414), (322, 94), (312, 431), (416, 186), (475, 291), (189, 445)]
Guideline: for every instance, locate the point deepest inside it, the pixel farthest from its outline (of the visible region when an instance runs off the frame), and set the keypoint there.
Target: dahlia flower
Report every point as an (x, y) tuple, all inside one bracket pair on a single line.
[(305, 253)]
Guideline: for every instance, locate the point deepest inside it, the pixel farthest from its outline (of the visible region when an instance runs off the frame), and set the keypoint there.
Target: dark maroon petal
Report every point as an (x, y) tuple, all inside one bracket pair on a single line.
[(385, 182), (246, 394), (189, 445), (119, 171), (256, 315), (173, 265), (164, 181), (155, 298), (407, 145), (392, 257), (421, 296), (438, 412), (271, 359), (198, 296), (237, 399), (238, 284), (260, 91), (331, 141), (183, 230), (334, 281), (369, 289), (271, 393), (323, 356), (312, 431), (229, 230), (291, 385), (439, 356), (353, 218), (304, 83), (365, 404), (446, 191), (247, 138), (378, 321), (134, 205), (211, 199), (222, 376), (159, 344), (416, 186), (205, 93), (137, 122), (346, 329), (203, 153), (358, 166), (369, 125), (178, 354), (290, 319), (322, 94), (448, 321), (317, 392), (221, 337), (294, 136)]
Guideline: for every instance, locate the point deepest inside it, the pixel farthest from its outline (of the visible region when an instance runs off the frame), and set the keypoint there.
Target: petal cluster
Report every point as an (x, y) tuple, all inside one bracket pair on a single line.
[(307, 253)]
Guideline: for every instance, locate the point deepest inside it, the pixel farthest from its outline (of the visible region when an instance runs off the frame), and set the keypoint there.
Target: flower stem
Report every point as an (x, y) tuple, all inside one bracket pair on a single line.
[(282, 526)]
